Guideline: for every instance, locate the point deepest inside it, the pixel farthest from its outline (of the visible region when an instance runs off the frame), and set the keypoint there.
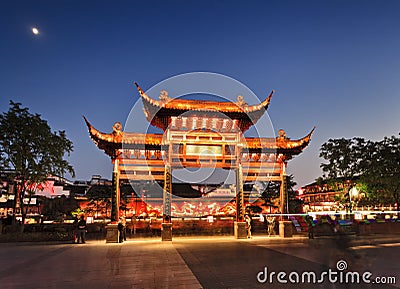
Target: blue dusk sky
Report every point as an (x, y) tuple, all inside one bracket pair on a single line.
[(332, 64)]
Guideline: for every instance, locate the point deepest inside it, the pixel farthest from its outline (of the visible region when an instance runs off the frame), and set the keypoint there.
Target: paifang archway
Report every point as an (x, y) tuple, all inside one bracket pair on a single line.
[(191, 127)]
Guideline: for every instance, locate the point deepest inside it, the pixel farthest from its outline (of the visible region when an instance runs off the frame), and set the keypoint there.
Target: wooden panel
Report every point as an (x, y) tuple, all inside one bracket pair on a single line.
[(261, 164), (218, 165), (141, 169), (262, 178), (263, 172), (142, 162), (133, 177)]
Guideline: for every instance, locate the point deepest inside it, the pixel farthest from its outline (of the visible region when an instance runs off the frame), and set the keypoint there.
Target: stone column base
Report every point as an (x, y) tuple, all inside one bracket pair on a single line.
[(166, 232), (240, 230), (112, 233), (285, 229)]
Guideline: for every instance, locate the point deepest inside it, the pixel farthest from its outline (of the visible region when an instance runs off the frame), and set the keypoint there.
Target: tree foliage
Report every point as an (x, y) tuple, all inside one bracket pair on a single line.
[(344, 158), (99, 197), (30, 151), (382, 171), (271, 195), (376, 164), (58, 208)]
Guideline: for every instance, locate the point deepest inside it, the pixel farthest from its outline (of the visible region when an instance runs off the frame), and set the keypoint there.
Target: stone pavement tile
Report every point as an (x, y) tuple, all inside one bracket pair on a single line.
[(140, 279), (144, 284), (177, 285), (100, 283), (159, 266), (180, 275), (163, 279), (162, 286), (185, 286), (121, 285)]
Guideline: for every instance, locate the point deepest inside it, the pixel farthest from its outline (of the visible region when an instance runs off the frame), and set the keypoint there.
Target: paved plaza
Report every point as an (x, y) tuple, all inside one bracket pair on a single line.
[(203, 262)]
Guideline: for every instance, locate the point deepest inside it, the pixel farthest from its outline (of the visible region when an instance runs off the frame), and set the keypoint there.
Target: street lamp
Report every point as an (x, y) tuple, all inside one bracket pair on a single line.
[(353, 192)]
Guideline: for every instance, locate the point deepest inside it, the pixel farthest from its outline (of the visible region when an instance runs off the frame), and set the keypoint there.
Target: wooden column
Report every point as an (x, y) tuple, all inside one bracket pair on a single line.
[(239, 229), (115, 195), (285, 225), (167, 194), (166, 229), (284, 204), (112, 235), (239, 194)]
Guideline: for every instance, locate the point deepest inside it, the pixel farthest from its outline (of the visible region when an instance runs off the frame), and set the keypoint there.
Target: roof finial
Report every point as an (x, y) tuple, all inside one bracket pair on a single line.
[(240, 101), (282, 134), (164, 95), (117, 127)]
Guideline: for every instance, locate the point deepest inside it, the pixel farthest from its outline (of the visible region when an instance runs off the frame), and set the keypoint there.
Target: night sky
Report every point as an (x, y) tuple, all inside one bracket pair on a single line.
[(333, 64)]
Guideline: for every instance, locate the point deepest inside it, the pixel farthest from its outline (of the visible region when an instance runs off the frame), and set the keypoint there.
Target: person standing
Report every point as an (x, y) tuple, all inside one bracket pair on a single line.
[(123, 221), (82, 229), (310, 223), (271, 225), (75, 229), (120, 231), (248, 220)]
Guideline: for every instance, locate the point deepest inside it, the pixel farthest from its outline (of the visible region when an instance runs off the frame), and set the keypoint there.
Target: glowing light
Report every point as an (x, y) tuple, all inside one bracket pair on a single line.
[(35, 31), (354, 192)]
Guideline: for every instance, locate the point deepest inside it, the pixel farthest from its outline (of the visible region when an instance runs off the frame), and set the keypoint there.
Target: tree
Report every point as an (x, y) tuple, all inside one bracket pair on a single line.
[(31, 151), (345, 158), (57, 208), (295, 204), (382, 171), (271, 195), (99, 200), (373, 165), (346, 161)]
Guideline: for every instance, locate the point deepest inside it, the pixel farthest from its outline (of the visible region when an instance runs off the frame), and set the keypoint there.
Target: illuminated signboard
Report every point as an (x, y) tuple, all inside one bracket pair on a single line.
[(203, 150)]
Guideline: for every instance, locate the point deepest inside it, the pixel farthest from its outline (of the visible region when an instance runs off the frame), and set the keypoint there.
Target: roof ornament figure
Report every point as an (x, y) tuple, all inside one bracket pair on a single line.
[(164, 96), (117, 127), (282, 135), (117, 131), (240, 101)]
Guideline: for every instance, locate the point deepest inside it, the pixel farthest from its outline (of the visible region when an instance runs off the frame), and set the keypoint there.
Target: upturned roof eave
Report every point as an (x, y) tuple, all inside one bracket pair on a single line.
[(199, 105)]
